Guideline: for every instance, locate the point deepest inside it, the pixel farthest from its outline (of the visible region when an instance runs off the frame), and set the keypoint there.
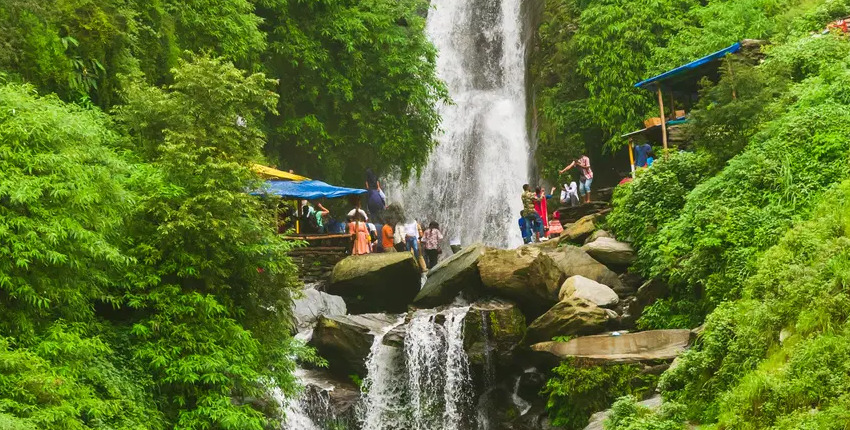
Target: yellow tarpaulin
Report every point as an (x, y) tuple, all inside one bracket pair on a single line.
[(272, 173)]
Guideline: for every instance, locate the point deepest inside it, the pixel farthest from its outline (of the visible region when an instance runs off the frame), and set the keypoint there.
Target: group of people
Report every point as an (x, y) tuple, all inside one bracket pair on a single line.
[(391, 232), (534, 221)]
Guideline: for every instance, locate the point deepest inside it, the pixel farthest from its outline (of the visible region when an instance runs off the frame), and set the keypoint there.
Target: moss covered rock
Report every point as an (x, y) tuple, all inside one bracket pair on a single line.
[(453, 275), (571, 317), (345, 340), (376, 282), (573, 261), (493, 327), (526, 275)]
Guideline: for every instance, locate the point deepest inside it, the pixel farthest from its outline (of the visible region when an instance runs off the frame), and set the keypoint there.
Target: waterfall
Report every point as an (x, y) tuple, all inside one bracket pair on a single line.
[(424, 386), (473, 179)]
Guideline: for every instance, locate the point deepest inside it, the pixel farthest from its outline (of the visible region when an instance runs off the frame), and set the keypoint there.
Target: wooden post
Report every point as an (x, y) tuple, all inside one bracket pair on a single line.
[(732, 76), (297, 218), (632, 155), (663, 120)]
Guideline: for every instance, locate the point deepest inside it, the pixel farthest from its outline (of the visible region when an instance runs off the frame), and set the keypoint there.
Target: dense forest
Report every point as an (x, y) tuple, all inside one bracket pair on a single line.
[(749, 229), (140, 286)]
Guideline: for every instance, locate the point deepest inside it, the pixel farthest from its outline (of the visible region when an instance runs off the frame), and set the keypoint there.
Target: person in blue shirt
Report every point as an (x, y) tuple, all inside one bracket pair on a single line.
[(525, 229), (641, 154), (650, 158)]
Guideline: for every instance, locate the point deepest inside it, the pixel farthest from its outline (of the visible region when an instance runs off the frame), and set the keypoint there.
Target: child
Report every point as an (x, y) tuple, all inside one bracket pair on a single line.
[(525, 229)]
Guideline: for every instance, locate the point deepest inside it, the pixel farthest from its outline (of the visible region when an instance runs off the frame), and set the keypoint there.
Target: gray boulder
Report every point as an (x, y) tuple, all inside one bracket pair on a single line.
[(385, 282), (572, 261), (642, 347), (453, 275), (570, 317), (611, 252), (312, 304), (596, 235), (345, 340), (526, 275), (583, 288)]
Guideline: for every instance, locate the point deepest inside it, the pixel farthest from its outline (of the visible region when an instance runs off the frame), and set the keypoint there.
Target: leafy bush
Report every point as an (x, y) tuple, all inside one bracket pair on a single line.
[(741, 373), (627, 414), (731, 218), (577, 391)]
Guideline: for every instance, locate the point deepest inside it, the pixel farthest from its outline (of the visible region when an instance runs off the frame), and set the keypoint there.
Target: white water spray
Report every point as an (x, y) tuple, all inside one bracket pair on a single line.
[(427, 386), (473, 180)]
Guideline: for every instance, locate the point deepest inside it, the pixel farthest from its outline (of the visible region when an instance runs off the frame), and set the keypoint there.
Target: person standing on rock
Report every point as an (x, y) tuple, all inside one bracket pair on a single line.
[(532, 218), (585, 176), (431, 242)]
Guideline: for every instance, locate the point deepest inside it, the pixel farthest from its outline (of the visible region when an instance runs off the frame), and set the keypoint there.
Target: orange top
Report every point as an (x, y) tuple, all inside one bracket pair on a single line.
[(387, 236)]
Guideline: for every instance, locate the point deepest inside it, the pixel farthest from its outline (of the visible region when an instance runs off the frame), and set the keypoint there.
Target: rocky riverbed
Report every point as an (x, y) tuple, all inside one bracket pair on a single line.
[(472, 346)]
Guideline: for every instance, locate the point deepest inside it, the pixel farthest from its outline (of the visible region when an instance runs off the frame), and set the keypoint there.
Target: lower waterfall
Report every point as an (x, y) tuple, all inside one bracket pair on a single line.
[(425, 385)]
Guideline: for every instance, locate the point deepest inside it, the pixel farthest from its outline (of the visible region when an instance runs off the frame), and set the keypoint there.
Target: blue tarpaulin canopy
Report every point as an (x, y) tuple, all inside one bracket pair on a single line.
[(308, 190), (690, 66)]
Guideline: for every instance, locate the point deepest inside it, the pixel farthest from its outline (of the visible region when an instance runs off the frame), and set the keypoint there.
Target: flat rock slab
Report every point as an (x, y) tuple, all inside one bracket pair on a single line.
[(385, 282), (453, 275), (655, 345)]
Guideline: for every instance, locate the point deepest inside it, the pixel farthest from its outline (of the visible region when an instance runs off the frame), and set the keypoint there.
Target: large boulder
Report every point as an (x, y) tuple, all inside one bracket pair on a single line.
[(578, 231), (596, 235), (326, 399), (311, 305), (570, 317), (385, 282), (583, 288), (642, 347), (453, 275), (526, 275), (492, 330), (611, 252), (345, 340), (572, 261)]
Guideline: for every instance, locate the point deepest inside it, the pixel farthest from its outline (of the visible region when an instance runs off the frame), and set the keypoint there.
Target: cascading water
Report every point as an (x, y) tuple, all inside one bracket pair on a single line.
[(425, 386), (473, 180)]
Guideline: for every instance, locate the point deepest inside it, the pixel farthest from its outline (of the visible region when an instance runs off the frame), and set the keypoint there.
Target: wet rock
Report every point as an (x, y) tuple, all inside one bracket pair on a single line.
[(570, 317), (583, 288), (611, 252), (453, 275), (345, 340), (494, 328), (376, 282), (642, 347), (572, 261), (327, 398), (631, 282), (526, 275), (312, 304)]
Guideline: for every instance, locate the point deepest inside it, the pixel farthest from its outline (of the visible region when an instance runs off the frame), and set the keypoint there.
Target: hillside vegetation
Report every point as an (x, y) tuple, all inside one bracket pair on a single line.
[(749, 229)]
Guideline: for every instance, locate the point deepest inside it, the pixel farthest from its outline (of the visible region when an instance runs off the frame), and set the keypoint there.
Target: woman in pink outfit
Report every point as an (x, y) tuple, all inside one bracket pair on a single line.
[(360, 233)]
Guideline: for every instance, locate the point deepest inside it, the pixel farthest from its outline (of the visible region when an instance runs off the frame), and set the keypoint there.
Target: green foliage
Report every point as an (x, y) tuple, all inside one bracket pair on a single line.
[(357, 81), (577, 391), (142, 287), (740, 374), (628, 414), (358, 85)]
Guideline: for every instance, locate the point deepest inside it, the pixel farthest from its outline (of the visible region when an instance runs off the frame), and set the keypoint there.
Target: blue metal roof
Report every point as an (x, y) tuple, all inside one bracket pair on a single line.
[(690, 66), (308, 190)]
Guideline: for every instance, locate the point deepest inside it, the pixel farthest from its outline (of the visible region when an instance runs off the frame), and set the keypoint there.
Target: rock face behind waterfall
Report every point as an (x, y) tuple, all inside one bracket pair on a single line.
[(492, 330), (376, 282), (345, 340), (526, 275), (453, 275)]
